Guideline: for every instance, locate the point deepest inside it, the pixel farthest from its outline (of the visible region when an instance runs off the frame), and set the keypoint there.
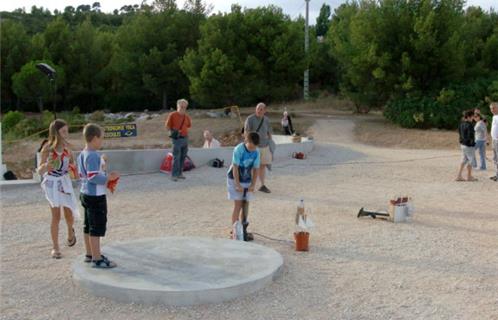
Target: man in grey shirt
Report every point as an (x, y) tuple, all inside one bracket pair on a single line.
[(260, 123)]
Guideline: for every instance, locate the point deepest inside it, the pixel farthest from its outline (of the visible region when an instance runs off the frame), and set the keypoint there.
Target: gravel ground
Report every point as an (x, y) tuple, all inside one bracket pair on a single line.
[(442, 265)]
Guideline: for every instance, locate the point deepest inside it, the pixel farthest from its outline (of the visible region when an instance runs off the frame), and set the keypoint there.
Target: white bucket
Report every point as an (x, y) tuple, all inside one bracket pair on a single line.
[(398, 213)]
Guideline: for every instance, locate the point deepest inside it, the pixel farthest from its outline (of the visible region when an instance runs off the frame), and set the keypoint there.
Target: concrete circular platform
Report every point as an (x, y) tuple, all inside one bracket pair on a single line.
[(180, 271)]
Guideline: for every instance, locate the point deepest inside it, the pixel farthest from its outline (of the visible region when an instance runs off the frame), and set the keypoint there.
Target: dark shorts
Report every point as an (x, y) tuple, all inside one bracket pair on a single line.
[(95, 215)]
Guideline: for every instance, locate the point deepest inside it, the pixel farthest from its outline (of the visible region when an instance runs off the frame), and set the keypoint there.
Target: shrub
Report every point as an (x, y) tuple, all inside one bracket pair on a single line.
[(27, 126), (97, 116), (441, 110), (11, 119)]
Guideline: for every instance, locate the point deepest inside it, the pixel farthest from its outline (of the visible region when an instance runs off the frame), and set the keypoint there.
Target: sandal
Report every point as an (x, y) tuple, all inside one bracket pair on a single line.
[(56, 254), (72, 242), (88, 258), (460, 179), (472, 179), (104, 263)]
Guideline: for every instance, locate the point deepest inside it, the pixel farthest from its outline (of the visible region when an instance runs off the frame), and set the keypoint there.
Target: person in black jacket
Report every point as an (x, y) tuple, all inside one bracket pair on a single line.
[(467, 144)]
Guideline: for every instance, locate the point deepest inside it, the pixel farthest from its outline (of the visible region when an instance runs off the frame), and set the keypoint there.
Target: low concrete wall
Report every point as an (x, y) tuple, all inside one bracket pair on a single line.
[(149, 160)]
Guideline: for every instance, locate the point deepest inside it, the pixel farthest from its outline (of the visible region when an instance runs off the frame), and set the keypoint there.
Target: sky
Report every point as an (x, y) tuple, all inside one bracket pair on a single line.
[(291, 7)]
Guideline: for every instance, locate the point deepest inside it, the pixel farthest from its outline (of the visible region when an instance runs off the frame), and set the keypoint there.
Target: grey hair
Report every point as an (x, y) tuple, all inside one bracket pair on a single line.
[(261, 104), (181, 101)]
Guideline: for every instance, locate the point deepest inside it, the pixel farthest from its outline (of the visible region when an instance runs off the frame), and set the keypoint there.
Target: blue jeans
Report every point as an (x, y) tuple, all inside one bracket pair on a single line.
[(180, 149), (481, 147)]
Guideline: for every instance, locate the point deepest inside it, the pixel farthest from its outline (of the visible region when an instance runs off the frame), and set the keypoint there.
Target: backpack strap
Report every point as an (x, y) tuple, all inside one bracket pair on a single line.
[(260, 124)]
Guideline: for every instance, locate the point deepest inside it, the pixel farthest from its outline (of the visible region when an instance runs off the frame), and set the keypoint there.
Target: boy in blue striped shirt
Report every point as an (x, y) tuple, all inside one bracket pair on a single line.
[(94, 179)]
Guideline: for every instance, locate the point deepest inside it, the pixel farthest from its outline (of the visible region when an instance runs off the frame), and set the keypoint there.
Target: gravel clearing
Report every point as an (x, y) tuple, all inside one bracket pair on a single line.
[(442, 265)]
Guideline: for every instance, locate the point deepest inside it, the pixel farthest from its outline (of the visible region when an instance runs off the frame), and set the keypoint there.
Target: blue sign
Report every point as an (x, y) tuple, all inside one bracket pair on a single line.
[(124, 130)]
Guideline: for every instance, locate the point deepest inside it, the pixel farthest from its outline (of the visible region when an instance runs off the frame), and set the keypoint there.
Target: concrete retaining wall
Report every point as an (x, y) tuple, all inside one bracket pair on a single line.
[(149, 160)]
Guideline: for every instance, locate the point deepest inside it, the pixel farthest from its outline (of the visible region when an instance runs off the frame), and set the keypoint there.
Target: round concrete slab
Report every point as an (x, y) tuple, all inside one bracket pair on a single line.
[(180, 271)]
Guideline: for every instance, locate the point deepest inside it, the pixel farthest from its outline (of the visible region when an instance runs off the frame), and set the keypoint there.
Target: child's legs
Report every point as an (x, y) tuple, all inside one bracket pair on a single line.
[(237, 206), (95, 223), (469, 171), (88, 248), (86, 225), (95, 248), (462, 165), (68, 215), (54, 227)]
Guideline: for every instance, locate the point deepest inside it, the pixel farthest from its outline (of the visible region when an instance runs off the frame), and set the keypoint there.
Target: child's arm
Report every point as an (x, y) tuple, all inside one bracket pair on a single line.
[(253, 182), (92, 165), (44, 163), (104, 162), (236, 178), (74, 165)]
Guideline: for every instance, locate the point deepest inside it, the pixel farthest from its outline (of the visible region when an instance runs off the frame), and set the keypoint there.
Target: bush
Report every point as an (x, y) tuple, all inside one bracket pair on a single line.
[(441, 110), (11, 119), (97, 116), (27, 126)]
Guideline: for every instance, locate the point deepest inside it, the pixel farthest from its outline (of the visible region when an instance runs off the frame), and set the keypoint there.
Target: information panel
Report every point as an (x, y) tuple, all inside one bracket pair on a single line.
[(124, 130)]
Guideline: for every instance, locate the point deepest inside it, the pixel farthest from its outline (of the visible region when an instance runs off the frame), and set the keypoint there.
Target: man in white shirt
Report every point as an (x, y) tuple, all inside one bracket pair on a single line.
[(210, 141), (494, 137)]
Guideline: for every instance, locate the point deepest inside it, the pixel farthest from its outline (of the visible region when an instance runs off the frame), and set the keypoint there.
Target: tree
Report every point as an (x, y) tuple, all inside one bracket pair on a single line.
[(15, 51), (323, 21), (257, 54), (198, 7), (164, 5), (32, 86), (91, 52)]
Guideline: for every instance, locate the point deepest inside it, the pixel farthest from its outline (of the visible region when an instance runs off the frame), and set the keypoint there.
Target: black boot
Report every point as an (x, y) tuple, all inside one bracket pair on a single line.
[(247, 235)]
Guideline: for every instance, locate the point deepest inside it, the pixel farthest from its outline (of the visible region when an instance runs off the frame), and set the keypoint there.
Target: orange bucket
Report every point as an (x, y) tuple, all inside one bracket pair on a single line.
[(302, 240)]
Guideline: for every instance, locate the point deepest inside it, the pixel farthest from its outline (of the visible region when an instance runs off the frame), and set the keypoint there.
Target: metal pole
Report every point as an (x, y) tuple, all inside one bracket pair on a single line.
[(306, 83), (54, 85), (3, 168)]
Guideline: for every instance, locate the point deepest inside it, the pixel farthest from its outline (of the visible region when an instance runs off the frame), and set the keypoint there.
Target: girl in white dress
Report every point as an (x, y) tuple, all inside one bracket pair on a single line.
[(55, 166)]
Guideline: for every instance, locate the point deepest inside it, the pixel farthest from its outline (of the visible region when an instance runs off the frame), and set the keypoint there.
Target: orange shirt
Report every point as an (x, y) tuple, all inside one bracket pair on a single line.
[(174, 121)]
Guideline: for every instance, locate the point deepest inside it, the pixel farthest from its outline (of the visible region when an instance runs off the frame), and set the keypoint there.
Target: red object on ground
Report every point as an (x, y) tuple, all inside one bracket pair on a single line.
[(167, 164), (299, 155), (302, 240), (111, 185)]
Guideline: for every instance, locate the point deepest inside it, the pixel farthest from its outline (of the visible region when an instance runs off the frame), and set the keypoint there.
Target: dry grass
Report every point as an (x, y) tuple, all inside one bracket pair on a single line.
[(374, 130)]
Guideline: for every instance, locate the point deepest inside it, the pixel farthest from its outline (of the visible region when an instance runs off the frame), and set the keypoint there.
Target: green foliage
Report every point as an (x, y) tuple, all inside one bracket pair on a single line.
[(397, 48), (30, 85), (150, 55), (11, 119), (323, 20), (15, 51), (97, 116), (245, 56), (443, 110)]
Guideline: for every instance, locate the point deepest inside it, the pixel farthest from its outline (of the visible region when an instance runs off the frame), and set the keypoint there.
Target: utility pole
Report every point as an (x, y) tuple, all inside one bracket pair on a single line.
[(3, 168), (306, 84)]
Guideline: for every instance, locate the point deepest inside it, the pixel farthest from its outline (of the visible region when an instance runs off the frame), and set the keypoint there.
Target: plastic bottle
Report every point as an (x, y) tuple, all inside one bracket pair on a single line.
[(300, 210)]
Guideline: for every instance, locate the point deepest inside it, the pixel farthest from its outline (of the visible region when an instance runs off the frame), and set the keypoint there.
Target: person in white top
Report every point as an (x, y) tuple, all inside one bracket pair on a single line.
[(210, 141), (494, 137), (481, 135)]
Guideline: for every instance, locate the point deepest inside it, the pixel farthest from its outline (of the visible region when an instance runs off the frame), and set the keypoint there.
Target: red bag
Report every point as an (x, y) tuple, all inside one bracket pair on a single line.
[(167, 164)]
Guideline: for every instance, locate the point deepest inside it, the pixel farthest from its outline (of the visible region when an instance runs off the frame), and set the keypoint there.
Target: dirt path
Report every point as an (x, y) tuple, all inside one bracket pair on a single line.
[(442, 265)]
